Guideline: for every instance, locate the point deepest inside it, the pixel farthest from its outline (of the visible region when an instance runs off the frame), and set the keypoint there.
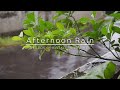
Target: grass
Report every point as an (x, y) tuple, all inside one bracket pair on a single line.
[(7, 41)]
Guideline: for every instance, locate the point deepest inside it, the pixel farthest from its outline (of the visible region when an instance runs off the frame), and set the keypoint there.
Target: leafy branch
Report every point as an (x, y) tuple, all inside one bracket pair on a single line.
[(69, 27)]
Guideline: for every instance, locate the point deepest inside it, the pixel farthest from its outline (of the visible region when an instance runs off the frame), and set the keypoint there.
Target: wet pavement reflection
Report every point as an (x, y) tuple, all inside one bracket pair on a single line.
[(16, 63)]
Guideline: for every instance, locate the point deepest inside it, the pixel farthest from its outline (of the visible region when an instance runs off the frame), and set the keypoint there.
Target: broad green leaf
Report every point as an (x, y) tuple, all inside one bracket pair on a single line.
[(73, 31), (97, 24), (42, 25), (110, 70), (60, 26), (108, 36), (25, 38), (66, 22), (26, 21), (49, 25), (16, 38), (93, 22), (93, 35), (104, 30), (29, 32), (110, 27), (58, 33), (116, 29), (67, 34), (31, 16), (41, 28), (84, 20), (116, 15), (29, 21), (49, 35)]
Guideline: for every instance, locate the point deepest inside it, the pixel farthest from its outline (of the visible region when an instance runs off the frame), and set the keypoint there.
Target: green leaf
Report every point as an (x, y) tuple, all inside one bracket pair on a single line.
[(73, 31), (110, 27), (93, 14), (93, 35), (93, 22), (110, 70), (66, 22), (98, 24), (42, 25), (16, 38), (49, 25), (61, 12), (84, 20), (116, 15), (104, 30), (25, 38), (55, 17), (84, 27), (60, 26), (27, 47), (108, 36), (29, 20), (49, 35), (31, 16), (116, 29), (29, 32), (68, 33), (58, 33)]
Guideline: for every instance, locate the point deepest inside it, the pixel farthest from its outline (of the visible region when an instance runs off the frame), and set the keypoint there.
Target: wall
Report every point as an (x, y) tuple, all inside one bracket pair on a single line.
[(12, 20), (79, 14)]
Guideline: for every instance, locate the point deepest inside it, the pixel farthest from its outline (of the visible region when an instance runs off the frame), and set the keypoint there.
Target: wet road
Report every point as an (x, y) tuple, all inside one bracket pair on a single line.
[(16, 63)]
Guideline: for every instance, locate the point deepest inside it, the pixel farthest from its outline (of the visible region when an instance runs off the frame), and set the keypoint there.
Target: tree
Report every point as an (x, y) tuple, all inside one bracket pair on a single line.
[(70, 28)]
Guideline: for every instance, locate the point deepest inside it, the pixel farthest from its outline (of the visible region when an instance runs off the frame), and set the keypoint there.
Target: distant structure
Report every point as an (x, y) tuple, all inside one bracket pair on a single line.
[(11, 21)]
